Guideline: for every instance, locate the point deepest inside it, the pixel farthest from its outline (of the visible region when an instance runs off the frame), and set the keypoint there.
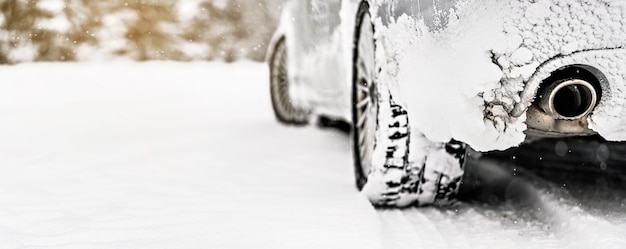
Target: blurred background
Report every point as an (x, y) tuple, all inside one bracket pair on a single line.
[(180, 30)]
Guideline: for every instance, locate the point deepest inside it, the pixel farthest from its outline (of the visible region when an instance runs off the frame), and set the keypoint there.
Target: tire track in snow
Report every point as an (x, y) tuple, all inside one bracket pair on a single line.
[(575, 226), (508, 208), (159, 160)]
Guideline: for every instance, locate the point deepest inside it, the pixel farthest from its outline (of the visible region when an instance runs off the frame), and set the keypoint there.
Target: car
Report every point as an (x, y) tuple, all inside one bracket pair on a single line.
[(422, 82)]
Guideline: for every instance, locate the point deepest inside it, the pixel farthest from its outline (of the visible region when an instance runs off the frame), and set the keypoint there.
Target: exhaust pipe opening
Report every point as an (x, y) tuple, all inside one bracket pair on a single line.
[(570, 99), (571, 92), (565, 99)]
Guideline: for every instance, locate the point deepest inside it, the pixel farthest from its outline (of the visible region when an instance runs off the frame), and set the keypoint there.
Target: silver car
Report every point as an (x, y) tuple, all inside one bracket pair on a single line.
[(422, 81)]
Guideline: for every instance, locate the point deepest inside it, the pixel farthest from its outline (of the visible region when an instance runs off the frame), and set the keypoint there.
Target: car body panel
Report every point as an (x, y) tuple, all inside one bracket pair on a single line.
[(431, 51), (319, 38)]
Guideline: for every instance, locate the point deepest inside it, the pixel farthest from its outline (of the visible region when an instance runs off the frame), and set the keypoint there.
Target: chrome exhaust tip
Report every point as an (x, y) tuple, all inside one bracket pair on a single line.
[(565, 101), (569, 100)]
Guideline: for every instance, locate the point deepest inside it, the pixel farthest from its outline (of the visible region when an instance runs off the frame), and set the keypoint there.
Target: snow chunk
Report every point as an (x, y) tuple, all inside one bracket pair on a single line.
[(538, 12), (521, 56), (524, 71)]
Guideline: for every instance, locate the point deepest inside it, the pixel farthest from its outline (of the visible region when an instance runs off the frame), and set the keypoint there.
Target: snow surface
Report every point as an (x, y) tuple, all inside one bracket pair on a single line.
[(188, 155)]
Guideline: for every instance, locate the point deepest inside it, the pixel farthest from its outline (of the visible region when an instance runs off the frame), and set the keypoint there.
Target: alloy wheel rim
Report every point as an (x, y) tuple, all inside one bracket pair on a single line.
[(280, 84), (366, 106)]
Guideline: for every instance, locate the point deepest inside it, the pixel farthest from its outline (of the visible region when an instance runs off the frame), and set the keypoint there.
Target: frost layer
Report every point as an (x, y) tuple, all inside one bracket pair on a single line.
[(473, 79)]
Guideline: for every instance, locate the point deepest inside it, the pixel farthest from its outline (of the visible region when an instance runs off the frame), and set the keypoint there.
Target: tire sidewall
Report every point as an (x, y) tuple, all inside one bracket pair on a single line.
[(360, 176), (281, 116)]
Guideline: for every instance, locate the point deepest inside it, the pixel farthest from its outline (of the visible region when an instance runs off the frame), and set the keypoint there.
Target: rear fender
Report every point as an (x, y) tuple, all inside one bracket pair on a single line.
[(286, 32)]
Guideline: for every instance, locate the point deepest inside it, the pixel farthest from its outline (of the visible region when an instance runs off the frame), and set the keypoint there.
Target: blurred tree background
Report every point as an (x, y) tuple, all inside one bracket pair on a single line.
[(78, 30)]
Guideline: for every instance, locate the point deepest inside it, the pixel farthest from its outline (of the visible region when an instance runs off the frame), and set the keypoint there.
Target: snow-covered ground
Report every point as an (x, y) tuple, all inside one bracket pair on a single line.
[(188, 155)]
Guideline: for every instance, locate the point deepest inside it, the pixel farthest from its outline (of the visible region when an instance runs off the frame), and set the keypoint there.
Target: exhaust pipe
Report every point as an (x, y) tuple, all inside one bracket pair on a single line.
[(569, 100), (564, 101)]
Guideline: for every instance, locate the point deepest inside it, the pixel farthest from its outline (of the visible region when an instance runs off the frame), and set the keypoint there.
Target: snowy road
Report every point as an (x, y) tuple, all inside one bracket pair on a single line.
[(188, 155)]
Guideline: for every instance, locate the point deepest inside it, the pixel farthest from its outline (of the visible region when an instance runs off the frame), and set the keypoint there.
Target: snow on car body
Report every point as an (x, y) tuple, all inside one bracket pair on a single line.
[(414, 77)]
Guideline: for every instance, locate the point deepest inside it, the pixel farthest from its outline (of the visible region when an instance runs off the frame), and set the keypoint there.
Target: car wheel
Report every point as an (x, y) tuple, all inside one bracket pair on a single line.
[(282, 103), (381, 137), (366, 104)]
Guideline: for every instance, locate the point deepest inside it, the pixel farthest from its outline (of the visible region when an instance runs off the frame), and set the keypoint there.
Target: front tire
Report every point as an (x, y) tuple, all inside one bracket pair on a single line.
[(282, 102)]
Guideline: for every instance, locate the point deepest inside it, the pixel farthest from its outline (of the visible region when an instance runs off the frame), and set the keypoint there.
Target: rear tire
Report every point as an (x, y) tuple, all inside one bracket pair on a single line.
[(364, 96), (282, 102), (376, 119), (381, 136)]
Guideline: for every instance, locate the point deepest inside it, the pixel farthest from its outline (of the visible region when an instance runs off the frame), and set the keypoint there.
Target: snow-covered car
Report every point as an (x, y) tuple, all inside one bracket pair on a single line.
[(420, 80)]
